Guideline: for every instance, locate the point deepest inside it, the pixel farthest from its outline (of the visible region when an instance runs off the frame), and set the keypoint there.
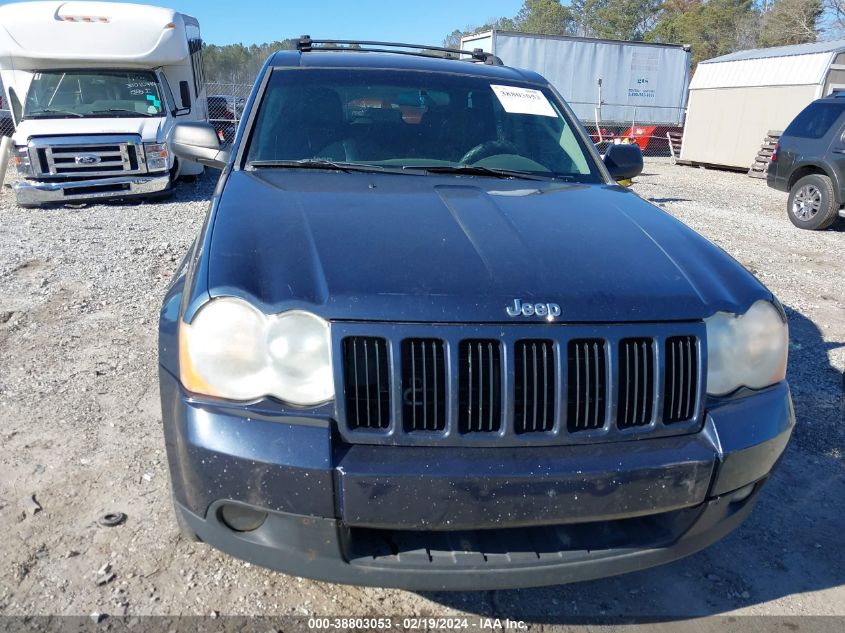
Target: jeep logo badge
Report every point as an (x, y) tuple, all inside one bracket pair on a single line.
[(87, 159), (548, 310)]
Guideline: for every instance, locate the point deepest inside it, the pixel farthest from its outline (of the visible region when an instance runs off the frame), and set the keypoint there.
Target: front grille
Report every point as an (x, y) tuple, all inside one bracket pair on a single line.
[(113, 155), (367, 386), (488, 385), (480, 387), (587, 386), (534, 386), (423, 385), (681, 363), (636, 382)]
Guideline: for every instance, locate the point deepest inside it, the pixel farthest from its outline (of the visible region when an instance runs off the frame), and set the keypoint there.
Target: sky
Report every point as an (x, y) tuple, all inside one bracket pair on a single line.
[(411, 21)]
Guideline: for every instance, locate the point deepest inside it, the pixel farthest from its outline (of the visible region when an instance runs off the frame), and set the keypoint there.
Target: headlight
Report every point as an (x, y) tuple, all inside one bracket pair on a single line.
[(232, 350), (748, 350), (20, 158), (157, 155)]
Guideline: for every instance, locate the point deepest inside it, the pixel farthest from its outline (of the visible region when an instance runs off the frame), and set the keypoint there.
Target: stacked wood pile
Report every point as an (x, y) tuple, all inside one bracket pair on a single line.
[(764, 156)]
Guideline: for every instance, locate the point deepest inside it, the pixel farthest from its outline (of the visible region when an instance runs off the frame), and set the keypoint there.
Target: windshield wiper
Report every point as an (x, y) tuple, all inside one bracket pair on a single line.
[(315, 163), (118, 111), (51, 113), (477, 170)]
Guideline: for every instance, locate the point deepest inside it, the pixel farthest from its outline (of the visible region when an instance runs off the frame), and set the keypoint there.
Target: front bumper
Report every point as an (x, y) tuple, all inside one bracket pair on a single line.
[(34, 193), (465, 518)]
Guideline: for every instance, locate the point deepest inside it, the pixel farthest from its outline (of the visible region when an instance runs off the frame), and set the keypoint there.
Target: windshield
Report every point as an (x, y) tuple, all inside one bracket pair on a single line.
[(94, 93), (428, 122)]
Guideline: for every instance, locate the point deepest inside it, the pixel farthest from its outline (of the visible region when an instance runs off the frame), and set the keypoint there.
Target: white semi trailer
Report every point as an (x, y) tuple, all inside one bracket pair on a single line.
[(608, 81), (94, 88)]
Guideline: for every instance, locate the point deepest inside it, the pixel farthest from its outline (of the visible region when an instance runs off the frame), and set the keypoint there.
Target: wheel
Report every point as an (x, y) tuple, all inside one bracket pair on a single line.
[(812, 203)]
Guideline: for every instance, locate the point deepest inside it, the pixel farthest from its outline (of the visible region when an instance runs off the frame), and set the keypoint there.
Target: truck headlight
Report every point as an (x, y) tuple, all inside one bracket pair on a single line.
[(747, 350), (232, 350), (20, 158), (157, 155)]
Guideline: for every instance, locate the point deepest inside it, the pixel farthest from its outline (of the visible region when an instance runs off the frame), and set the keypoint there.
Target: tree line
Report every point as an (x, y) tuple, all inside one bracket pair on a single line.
[(711, 27)]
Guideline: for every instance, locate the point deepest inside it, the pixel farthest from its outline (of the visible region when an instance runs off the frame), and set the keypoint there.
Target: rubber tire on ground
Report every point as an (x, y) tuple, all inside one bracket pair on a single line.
[(829, 209), (184, 529)]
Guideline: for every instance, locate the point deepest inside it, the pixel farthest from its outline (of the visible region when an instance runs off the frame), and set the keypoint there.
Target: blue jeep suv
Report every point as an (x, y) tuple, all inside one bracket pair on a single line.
[(425, 340)]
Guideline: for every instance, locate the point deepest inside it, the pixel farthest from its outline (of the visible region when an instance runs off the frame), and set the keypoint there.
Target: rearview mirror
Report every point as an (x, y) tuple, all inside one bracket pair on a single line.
[(198, 142), (624, 161)]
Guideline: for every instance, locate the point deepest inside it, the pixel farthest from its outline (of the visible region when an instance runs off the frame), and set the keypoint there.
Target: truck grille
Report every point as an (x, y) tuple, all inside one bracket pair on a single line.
[(587, 386), (681, 361), (367, 382), (636, 382), (423, 385), (534, 386), (480, 387), (69, 157), (527, 385)]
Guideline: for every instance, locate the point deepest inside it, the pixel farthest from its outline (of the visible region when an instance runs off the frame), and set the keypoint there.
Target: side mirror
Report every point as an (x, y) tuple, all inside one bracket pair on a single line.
[(624, 161), (185, 93), (181, 111), (198, 142)]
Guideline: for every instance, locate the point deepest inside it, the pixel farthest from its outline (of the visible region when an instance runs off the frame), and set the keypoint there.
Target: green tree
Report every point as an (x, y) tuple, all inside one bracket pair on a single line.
[(453, 40), (712, 28), (791, 22), (616, 19), (548, 17)]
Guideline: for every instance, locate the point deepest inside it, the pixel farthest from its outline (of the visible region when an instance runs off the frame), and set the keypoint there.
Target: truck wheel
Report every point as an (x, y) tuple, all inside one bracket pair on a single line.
[(812, 204), (184, 529)]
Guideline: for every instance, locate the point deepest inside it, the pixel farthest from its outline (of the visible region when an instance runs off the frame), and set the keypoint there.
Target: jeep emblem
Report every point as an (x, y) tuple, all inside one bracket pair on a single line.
[(548, 310), (87, 159)]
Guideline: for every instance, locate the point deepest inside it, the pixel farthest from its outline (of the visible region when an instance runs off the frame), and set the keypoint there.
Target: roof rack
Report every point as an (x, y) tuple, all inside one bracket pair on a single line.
[(306, 44)]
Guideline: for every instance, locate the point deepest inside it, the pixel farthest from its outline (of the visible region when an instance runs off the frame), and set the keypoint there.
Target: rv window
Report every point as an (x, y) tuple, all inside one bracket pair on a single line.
[(815, 120), (94, 93)]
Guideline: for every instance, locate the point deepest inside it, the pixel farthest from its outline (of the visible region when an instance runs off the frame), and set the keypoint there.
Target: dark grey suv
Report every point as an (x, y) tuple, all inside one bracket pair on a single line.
[(809, 163)]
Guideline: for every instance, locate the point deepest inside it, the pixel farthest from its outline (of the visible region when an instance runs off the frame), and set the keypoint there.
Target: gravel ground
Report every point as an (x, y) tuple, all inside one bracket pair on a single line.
[(80, 431)]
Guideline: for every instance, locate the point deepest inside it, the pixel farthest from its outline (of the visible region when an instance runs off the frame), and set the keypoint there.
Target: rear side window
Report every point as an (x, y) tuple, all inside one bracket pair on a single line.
[(815, 120)]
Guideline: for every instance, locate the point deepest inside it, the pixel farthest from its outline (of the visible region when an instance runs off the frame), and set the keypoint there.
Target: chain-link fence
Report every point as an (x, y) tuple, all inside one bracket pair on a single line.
[(656, 130), (226, 102), (7, 126)]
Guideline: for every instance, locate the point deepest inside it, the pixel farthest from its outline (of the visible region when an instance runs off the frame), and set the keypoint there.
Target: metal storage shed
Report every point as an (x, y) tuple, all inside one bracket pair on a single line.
[(736, 99)]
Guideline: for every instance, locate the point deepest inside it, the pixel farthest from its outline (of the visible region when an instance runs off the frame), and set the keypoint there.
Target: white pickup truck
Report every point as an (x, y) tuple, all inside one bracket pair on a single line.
[(94, 89)]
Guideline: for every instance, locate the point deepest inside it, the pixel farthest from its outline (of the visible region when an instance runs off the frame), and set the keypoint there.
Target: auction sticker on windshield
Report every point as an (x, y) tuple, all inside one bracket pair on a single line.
[(523, 101)]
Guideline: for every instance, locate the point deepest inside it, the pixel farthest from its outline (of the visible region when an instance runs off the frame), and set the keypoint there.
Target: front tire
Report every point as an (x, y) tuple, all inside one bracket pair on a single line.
[(812, 203)]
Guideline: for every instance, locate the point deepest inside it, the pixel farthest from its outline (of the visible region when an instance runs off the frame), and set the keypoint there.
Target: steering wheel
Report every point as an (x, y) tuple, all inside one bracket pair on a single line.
[(486, 149)]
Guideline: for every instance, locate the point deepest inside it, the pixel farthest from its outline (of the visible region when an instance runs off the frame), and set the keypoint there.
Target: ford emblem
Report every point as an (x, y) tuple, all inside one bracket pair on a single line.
[(87, 159)]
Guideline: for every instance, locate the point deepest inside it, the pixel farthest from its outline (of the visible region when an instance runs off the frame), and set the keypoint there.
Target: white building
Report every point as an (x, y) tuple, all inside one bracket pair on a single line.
[(736, 99)]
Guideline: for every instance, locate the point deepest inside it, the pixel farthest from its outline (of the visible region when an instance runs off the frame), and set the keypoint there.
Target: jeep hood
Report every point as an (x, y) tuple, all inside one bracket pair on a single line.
[(148, 128), (460, 249)]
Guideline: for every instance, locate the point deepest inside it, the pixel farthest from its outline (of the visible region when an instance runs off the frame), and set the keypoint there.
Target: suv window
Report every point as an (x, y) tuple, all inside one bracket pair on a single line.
[(417, 120), (815, 120)]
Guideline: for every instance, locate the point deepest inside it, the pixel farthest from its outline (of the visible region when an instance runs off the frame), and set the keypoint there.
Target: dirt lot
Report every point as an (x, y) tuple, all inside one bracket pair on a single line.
[(80, 431)]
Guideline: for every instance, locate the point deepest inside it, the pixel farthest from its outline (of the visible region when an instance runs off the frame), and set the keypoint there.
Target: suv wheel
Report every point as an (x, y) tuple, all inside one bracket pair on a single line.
[(812, 203)]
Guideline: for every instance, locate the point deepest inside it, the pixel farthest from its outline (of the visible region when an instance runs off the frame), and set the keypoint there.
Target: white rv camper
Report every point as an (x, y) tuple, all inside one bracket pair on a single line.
[(94, 88)]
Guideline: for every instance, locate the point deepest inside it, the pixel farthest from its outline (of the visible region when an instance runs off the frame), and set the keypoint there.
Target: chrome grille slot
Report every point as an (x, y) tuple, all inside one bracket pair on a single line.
[(534, 386), (367, 382), (423, 385), (480, 387), (681, 376), (635, 404), (587, 385)]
